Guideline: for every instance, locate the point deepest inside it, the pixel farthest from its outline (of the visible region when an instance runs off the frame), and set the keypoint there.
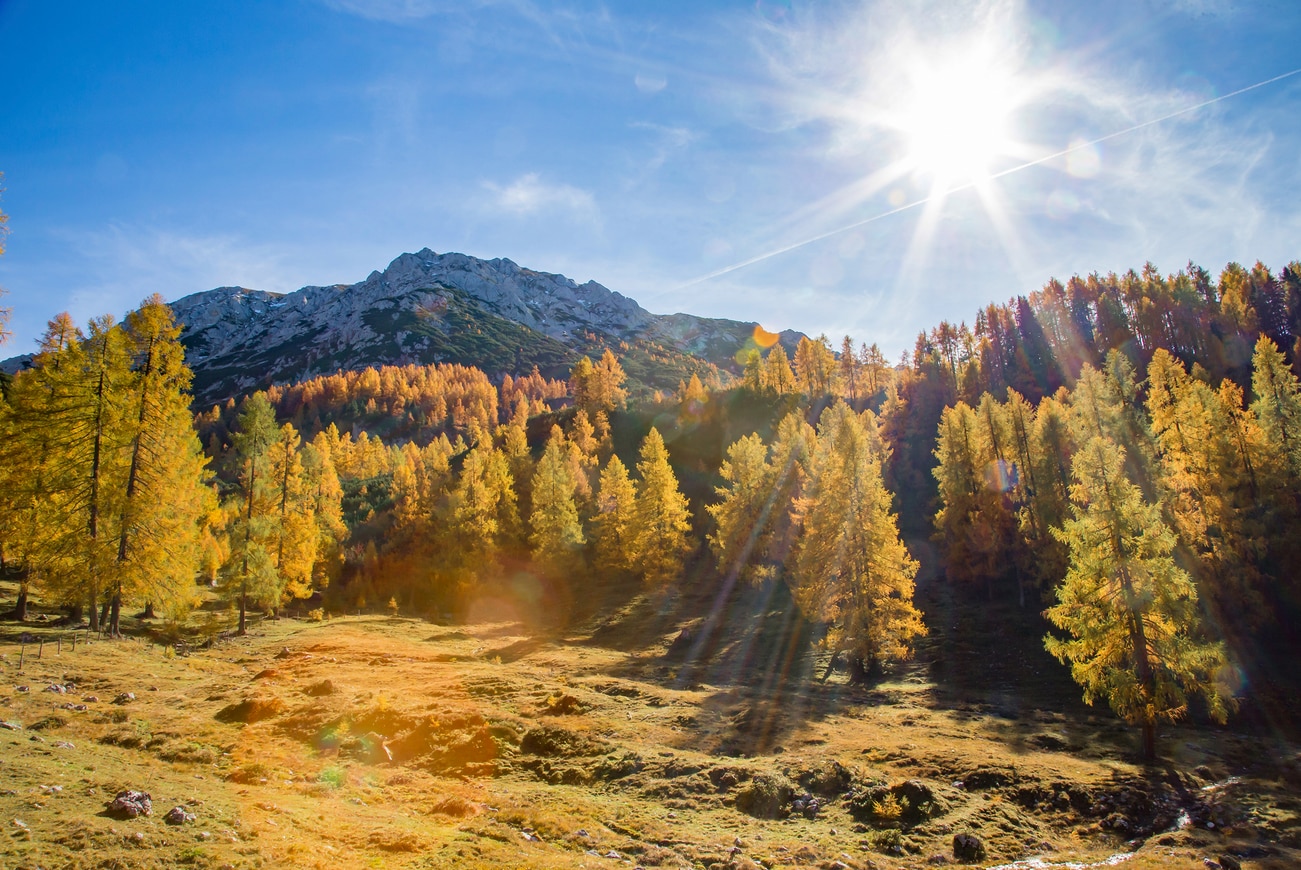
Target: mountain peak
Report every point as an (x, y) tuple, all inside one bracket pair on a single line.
[(429, 307)]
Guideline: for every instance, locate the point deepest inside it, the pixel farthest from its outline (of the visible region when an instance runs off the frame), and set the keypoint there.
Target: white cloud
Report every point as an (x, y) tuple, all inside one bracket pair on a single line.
[(529, 195)]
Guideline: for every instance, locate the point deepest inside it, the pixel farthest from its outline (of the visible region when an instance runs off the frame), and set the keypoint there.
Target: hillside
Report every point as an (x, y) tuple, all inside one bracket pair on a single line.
[(426, 308)]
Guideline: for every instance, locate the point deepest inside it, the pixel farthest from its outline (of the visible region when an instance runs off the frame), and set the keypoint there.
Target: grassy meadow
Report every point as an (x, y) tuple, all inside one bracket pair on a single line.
[(671, 732)]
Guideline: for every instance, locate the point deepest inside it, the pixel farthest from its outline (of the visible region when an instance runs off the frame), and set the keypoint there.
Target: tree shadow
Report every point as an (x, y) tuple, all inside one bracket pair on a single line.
[(749, 643)]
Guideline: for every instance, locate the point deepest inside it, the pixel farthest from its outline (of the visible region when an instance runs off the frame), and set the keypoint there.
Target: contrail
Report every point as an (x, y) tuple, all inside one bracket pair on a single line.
[(970, 184)]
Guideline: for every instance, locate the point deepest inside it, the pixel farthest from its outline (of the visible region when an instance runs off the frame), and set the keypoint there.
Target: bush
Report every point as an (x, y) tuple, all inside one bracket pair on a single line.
[(764, 797), (333, 776)]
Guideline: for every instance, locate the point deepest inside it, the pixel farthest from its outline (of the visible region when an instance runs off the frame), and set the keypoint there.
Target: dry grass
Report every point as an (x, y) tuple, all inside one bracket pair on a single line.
[(381, 742)]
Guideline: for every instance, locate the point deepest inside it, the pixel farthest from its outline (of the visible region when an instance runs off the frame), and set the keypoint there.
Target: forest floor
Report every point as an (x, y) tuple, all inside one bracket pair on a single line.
[(669, 732)]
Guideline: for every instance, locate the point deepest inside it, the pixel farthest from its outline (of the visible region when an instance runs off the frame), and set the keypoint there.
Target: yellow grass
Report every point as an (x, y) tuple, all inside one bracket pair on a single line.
[(512, 748)]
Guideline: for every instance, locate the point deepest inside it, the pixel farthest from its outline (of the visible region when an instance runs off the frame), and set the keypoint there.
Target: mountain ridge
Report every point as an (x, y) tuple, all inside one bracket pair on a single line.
[(426, 307)]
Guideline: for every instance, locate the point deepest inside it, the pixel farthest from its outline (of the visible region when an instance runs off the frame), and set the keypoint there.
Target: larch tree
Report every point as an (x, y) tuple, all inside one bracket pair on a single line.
[(251, 569), (850, 367), (661, 517), (598, 386), (971, 521), (165, 493), (851, 569), (752, 374), (555, 535), (815, 367), (788, 471), (1277, 405), (325, 493), (31, 420), (742, 516), (1130, 613), (294, 535), (777, 375), (614, 521), (88, 389), (478, 519)]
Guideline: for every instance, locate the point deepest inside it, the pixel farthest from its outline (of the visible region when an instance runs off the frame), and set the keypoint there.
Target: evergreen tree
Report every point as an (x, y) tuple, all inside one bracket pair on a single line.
[(851, 569), (661, 518), (1130, 611)]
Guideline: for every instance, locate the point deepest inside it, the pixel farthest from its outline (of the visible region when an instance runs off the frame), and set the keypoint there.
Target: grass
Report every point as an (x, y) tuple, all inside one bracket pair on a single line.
[(379, 742)]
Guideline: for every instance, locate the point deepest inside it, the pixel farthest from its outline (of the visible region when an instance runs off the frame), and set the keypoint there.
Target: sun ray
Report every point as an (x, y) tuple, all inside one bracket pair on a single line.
[(914, 257), (995, 207)]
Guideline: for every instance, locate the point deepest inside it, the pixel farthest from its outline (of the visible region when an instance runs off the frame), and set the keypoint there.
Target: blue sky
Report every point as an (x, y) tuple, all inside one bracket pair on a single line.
[(175, 147)]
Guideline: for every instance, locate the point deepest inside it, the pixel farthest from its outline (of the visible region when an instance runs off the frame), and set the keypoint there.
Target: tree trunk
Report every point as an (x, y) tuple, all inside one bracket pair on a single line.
[(115, 615), (103, 614), (149, 611), (94, 612), (243, 606), (74, 615), (20, 609), (1149, 742)]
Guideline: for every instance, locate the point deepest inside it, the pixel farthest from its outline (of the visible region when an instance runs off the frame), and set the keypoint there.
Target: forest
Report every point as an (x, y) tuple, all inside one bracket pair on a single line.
[(1118, 453)]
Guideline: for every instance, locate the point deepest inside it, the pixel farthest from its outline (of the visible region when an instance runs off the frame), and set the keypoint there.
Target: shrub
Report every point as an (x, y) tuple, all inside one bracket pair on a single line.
[(764, 797)]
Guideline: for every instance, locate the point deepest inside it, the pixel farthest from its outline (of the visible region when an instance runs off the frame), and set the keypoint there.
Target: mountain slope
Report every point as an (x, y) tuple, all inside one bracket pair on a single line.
[(427, 307)]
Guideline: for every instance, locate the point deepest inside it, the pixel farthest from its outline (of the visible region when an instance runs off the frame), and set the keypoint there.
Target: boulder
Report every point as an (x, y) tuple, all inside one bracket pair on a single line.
[(178, 815), (968, 848), (130, 804)]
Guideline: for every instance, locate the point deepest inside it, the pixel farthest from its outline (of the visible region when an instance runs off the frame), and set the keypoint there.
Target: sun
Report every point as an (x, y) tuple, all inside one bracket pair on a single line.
[(955, 116)]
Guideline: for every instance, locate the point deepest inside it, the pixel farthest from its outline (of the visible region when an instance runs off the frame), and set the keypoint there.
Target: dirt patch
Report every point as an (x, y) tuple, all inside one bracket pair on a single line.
[(552, 741), (251, 710)]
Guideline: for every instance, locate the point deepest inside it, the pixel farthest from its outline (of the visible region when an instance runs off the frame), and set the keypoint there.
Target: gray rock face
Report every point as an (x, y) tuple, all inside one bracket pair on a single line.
[(419, 310), (219, 322)]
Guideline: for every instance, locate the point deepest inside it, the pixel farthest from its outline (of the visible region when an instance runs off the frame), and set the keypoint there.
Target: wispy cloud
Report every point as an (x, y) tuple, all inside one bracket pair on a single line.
[(529, 195), (669, 140), (121, 265), (396, 11)]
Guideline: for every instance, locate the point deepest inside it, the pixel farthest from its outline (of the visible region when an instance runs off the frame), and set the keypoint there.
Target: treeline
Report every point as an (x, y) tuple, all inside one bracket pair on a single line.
[(396, 403), (1124, 450)]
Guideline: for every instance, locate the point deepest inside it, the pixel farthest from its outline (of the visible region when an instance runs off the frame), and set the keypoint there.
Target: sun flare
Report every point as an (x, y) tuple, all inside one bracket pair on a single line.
[(956, 117)]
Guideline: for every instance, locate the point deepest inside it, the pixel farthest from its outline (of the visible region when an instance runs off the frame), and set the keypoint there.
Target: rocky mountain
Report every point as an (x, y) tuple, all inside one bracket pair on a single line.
[(427, 307)]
